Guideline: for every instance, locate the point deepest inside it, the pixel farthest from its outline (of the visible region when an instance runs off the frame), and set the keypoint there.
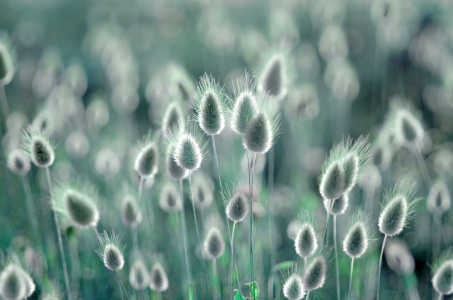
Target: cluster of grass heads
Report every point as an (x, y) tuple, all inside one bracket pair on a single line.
[(226, 149)]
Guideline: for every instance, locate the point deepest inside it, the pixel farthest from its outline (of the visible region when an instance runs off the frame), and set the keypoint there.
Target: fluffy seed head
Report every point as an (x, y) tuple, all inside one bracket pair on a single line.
[(18, 162), (129, 210), (173, 119), (273, 78), (170, 200), (187, 152), (38, 148), (202, 192), (30, 286), (210, 105), (76, 204), (7, 60), (339, 205), (443, 273), (237, 206), (147, 160), (262, 131), (158, 278), (332, 182), (173, 169), (439, 200), (139, 276), (293, 288), (12, 283), (398, 207), (315, 274), (214, 244), (111, 251), (406, 123), (245, 106), (306, 242), (398, 257), (358, 235)]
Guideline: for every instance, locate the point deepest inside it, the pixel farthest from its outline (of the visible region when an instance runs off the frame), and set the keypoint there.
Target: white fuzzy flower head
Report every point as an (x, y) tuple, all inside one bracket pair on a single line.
[(170, 199), (188, 153), (339, 205), (111, 251), (214, 245), (173, 169), (18, 162), (439, 200), (158, 278), (147, 160), (244, 106), (315, 274), (358, 235), (398, 257), (406, 122), (293, 288), (15, 283), (306, 242), (39, 148), (443, 273), (173, 119), (273, 76), (202, 192), (139, 276), (7, 60)]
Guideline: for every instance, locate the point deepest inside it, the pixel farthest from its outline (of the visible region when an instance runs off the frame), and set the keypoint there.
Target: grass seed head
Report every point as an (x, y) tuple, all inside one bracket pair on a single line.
[(315, 274), (274, 75), (7, 60), (147, 160), (332, 182), (406, 122), (139, 276), (158, 278), (443, 273), (202, 192), (129, 210), (293, 288), (237, 207), (398, 207), (358, 235), (214, 245), (439, 200), (306, 242), (170, 199), (39, 148), (18, 162), (111, 251), (245, 105), (173, 169), (339, 205), (173, 119), (15, 283), (398, 257)]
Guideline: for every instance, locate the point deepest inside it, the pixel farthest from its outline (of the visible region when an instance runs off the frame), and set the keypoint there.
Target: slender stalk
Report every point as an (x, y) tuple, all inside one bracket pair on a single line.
[(440, 297), (98, 236), (135, 228), (159, 296), (122, 286), (233, 262), (308, 295), (325, 236), (422, 166), (4, 103), (232, 254), (198, 235), (305, 263), (214, 274), (350, 278), (31, 210), (60, 241), (336, 255), (184, 238), (270, 210), (251, 168), (380, 267)]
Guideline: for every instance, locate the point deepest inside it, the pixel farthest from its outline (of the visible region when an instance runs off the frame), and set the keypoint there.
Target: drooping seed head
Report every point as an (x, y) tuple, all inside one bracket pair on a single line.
[(139, 276), (39, 148), (76, 204), (443, 273), (158, 278), (146, 161), (398, 207), (173, 119), (7, 60), (358, 235), (111, 251), (398, 257), (245, 106), (18, 162), (210, 105), (173, 169), (170, 199), (293, 288), (214, 245), (406, 122), (12, 283), (273, 77), (315, 274), (439, 200), (129, 210), (202, 192), (339, 205)]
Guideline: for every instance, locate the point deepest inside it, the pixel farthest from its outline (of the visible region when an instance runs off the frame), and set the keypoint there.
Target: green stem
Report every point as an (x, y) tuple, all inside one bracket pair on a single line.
[(251, 169), (336, 254), (270, 210), (308, 295), (135, 228), (233, 261), (350, 278), (31, 210), (122, 286), (422, 166), (4, 103), (380, 266), (214, 274), (60, 241), (184, 236), (198, 236)]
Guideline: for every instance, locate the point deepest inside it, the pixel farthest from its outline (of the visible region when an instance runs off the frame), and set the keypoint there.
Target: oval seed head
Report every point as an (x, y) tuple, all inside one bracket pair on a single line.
[(210, 106), (237, 207), (39, 148), (139, 276), (173, 169), (258, 136), (30, 286), (306, 242), (350, 166), (339, 205), (12, 283), (170, 200), (111, 251), (439, 200), (332, 182), (7, 61), (158, 278), (129, 210), (173, 119), (273, 79), (76, 206), (293, 288), (147, 160), (188, 153), (398, 207), (214, 244), (315, 274), (398, 257), (244, 111), (18, 162), (443, 273), (405, 120), (358, 235), (202, 192)]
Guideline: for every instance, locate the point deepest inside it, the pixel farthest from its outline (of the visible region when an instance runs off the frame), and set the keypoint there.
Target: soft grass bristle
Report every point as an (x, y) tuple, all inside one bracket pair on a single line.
[(306, 242), (173, 119), (158, 278), (439, 200), (38, 148), (442, 279), (12, 283), (315, 274), (139, 276), (214, 245), (111, 251), (358, 235), (188, 153), (245, 104), (173, 169), (237, 207), (293, 288), (210, 105), (7, 60), (405, 121), (18, 162), (129, 210), (147, 160), (398, 207), (339, 207), (273, 78), (398, 257), (261, 132), (170, 199), (332, 183)]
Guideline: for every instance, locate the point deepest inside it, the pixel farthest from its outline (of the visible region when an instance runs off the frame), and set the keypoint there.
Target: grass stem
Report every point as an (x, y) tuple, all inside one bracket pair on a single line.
[(380, 267)]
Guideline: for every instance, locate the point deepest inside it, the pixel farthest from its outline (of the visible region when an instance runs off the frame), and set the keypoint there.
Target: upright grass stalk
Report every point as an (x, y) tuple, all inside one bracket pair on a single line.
[(135, 229), (4, 103), (214, 272), (122, 286), (336, 254), (184, 239), (233, 262), (270, 211), (60, 242), (31, 210), (380, 267), (251, 171), (198, 235), (350, 278), (422, 165)]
